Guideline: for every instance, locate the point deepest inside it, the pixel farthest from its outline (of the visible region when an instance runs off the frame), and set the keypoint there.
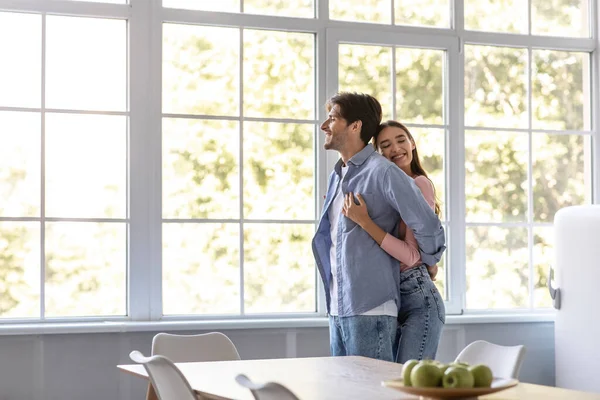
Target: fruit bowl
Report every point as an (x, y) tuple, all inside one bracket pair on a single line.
[(439, 393)]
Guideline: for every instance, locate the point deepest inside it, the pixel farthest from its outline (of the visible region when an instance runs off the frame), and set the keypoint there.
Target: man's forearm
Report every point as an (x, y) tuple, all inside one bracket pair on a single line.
[(432, 257), (430, 236)]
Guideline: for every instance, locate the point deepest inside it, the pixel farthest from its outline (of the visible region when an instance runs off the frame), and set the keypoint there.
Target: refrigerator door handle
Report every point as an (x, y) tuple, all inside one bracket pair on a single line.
[(554, 292)]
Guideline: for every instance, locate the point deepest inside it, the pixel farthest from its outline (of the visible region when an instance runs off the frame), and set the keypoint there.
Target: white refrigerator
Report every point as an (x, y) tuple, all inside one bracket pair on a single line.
[(576, 292)]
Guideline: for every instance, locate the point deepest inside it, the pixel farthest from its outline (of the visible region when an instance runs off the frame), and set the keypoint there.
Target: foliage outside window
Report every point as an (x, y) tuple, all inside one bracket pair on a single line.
[(240, 179)]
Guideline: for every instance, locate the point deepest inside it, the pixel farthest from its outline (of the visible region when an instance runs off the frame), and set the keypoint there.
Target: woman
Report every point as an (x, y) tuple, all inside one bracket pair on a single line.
[(422, 313)]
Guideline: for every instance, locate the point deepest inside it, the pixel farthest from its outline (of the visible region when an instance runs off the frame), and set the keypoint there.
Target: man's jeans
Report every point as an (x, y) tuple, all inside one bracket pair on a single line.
[(421, 316), (363, 335)]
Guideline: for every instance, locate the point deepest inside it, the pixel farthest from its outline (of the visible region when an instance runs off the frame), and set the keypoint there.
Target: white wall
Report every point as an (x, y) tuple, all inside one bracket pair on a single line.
[(82, 366)]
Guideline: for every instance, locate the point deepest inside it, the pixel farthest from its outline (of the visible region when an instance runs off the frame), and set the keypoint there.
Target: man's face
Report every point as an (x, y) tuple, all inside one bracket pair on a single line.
[(336, 129)]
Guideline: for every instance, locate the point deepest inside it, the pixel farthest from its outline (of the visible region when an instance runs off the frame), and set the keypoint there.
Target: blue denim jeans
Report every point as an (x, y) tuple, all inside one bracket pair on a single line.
[(363, 335), (421, 317)]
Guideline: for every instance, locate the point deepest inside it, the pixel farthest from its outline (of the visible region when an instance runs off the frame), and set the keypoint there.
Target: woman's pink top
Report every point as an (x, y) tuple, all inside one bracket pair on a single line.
[(405, 248)]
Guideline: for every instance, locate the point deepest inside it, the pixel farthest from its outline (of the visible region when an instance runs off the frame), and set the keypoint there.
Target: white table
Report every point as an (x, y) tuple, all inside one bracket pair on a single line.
[(325, 378)]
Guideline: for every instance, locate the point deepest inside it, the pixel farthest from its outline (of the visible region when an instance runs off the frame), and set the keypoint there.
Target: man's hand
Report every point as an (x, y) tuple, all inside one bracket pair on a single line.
[(356, 212)]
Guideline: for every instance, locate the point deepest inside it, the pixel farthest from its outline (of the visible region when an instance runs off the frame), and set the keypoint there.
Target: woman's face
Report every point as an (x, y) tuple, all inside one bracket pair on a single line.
[(395, 145)]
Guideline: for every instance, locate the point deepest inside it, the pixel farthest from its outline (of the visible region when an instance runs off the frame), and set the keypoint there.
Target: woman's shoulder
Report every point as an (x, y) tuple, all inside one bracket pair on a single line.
[(426, 187), (423, 182)]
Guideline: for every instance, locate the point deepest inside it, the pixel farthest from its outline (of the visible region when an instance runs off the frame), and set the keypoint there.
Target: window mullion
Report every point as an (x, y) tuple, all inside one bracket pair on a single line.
[(455, 154), (241, 169), (144, 275), (530, 218), (534, 41), (68, 7), (321, 166), (43, 178)]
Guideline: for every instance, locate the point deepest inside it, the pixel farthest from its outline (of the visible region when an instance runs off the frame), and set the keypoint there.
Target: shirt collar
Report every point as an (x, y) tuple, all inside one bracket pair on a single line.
[(357, 159)]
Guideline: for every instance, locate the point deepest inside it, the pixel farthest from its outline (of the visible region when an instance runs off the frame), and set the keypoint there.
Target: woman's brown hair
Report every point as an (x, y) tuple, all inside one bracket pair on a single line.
[(415, 165)]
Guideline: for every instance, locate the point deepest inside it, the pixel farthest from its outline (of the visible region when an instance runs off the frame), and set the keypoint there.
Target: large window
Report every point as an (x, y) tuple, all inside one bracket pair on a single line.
[(527, 154), (63, 166), (163, 159), (238, 176)]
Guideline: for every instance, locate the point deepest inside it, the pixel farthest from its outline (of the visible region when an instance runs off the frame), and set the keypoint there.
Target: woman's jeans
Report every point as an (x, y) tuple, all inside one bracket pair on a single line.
[(363, 335), (421, 317)]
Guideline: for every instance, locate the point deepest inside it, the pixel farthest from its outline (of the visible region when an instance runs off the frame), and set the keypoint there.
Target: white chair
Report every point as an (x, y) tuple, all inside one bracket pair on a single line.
[(213, 346), (504, 361), (266, 391), (167, 380)]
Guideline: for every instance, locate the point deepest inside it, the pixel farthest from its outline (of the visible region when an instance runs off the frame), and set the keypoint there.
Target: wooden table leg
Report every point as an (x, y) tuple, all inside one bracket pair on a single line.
[(151, 395)]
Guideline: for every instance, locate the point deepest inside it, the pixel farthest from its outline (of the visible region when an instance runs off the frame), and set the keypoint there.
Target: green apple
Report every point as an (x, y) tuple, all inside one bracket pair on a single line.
[(458, 377), (426, 375), (482, 375), (444, 367), (406, 369), (460, 364), (427, 361)]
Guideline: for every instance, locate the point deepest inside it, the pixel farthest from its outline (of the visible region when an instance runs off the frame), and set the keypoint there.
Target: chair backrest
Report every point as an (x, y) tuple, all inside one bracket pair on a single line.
[(168, 381), (213, 346), (504, 361), (266, 391)]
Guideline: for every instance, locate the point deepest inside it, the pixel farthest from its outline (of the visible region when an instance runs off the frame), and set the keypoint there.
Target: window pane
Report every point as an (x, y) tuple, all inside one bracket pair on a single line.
[(94, 76), (274, 156), (20, 184), (496, 176), (296, 8), (201, 272), (86, 166), (420, 85), (21, 66), (561, 90), (543, 258), (19, 269), (560, 17), (496, 15), (279, 272), (561, 173), (200, 169), (496, 87), (86, 269), (422, 12), (204, 5), (431, 148), (377, 11), (279, 74), (367, 69), (497, 268), (198, 62)]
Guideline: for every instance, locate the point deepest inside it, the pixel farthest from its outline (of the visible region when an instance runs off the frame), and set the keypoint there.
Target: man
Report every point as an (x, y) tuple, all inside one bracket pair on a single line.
[(361, 280)]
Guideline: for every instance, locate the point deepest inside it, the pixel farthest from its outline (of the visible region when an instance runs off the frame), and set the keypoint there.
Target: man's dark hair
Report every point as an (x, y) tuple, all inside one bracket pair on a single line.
[(358, 107)]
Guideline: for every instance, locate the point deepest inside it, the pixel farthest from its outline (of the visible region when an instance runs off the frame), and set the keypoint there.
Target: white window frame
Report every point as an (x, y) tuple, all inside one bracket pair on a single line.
[(145, 18), (246, 21), (63, 8), (529, 42)]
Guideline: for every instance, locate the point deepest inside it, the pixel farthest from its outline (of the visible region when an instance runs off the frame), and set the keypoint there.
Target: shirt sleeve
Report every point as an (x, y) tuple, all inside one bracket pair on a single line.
[(407, 251), (404, 195)]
